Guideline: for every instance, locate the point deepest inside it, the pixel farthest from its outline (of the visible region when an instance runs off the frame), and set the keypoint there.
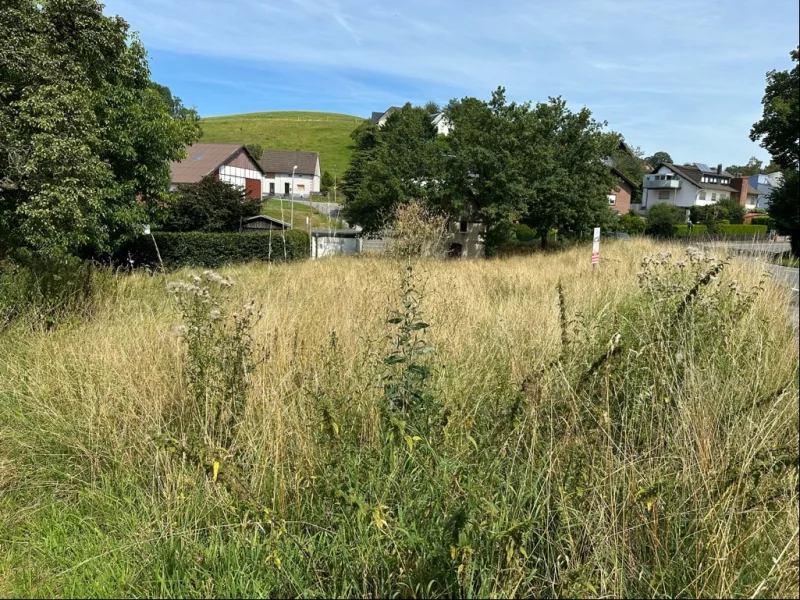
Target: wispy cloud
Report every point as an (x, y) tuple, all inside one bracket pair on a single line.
[(697, 63)]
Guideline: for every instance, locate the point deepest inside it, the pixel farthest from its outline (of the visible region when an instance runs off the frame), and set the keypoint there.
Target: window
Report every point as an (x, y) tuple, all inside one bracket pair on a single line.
[(462, 226), (663, 195), (713, 196), (701, 195), (612, 199), (301, 187)]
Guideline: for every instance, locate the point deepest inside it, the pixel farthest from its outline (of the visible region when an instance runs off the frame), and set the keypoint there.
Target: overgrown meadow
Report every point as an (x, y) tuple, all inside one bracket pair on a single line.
[(370, 427)]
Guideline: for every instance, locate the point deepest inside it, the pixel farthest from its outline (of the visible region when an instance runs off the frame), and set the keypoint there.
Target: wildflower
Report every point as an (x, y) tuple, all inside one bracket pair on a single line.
[(214, 314)]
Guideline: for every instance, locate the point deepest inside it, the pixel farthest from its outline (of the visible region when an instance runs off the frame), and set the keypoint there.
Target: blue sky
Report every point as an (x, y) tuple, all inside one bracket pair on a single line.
[(682, 76)]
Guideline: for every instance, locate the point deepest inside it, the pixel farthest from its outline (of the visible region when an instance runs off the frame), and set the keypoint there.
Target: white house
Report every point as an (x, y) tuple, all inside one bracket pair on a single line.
[(278, 166), (438, 120), (686, 186), (442, 123)]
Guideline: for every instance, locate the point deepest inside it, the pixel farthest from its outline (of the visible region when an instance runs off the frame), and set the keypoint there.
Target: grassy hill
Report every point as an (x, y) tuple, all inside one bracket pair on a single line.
[(273, 208), (326, 133)]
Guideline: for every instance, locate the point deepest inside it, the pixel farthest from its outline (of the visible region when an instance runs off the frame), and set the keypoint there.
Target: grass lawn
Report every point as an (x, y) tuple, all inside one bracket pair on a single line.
[(272, 208), (364, 427), (326, 133)]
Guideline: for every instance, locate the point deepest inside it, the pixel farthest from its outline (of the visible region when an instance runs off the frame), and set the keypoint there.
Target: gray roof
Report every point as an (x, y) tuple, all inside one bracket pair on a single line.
[(202, 160), (693, 175), (377, 116), (267, 218), (282, 161)]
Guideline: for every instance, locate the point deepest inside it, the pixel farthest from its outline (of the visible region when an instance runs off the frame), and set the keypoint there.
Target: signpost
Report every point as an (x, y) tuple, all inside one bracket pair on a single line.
[(596, 247)]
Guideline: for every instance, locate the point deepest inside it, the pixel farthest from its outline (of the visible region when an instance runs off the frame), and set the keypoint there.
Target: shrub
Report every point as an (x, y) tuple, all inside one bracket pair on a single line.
[(198, 249), (416, 231), (44, 292), (326, 183), (726, 229), (684, 231), (523, 233), (768, 222), (217, 368), (631, 223), (210, 206), (661, 218)]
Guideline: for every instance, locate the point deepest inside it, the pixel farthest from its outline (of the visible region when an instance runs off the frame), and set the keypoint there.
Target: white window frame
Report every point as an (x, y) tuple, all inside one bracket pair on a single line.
[(612, 199)]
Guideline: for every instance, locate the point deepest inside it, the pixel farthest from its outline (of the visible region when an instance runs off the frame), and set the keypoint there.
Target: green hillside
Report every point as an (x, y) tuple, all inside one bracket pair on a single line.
[(326, 133)]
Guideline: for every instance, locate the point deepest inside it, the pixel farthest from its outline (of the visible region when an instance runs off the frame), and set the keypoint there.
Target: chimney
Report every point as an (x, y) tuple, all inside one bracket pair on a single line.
[(719, 169), (740, 183)]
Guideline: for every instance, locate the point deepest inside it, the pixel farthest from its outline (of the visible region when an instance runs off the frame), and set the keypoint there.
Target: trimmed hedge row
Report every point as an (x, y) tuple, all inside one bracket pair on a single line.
[(766, 221), (742, 229), (721, 229), (198, 249), (683, 230)]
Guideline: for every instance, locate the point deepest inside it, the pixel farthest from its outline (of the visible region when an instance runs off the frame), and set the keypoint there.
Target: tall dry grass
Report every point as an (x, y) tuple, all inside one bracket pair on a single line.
[(668, 469)]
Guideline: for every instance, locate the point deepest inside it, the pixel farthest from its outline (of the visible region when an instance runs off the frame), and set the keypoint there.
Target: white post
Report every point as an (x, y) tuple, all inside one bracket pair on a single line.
[(595, 247), (292, 198)]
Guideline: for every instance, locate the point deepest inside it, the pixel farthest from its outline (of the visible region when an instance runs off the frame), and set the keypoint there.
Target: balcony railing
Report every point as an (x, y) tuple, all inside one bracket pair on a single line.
[(652, 183)]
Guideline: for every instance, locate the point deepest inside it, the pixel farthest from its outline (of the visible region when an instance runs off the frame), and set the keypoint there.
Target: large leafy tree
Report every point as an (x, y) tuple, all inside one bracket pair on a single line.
[(657, 158), (392, 165), (566, 177), (779, 132), (481, 170), (85, 137), (210, 205)]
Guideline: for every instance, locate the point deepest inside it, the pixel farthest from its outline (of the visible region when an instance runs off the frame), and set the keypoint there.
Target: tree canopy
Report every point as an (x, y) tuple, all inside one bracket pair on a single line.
[(657, 158), (85, 136), (502, 163), (210, 205), (778, 131)]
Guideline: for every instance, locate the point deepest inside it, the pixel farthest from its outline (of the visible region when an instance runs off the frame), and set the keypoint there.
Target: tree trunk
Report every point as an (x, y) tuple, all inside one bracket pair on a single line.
[(543, 237)]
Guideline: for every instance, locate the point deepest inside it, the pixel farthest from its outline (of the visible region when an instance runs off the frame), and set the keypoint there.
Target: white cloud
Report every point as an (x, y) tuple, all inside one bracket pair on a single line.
[(695, 62)]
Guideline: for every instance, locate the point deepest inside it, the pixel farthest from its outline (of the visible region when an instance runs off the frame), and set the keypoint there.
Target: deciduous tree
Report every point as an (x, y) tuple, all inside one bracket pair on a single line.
[(85, 136), (778, 131)]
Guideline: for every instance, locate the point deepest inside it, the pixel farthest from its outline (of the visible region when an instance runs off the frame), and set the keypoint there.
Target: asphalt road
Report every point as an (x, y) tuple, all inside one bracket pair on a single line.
[(788, 275)]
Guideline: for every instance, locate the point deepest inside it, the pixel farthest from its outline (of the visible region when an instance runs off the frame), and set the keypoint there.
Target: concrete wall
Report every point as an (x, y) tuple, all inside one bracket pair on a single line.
[(470, 241)]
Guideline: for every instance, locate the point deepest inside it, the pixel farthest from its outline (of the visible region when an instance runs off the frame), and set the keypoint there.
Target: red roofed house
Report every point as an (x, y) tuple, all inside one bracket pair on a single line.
[(231, 163)]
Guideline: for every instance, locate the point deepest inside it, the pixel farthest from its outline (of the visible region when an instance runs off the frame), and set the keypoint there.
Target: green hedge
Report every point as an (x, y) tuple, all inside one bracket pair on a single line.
[(683, 230), (741, 229), (721, 229), (766, 221), (197, 249)]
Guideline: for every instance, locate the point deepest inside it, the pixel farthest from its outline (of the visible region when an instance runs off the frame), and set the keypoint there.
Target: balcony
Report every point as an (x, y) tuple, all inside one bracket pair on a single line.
[(653, 183)]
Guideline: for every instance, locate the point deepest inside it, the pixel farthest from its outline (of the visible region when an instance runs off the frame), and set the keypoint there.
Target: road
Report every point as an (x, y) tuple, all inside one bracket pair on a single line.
[(753, 248), (788, 275)]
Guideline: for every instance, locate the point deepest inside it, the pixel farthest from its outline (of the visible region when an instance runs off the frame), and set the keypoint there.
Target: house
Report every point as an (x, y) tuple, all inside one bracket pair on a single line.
[(438, 120), (278, 166), (625, 192), (442, 123), (620, 197), (231, 163), (766, 184), (687, 185), (264, 223), (465, 238), (379, 118), (746, 194)]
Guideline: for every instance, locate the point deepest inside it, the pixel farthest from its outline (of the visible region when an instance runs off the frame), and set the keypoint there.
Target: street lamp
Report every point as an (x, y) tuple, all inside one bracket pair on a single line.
[(294, 168)]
